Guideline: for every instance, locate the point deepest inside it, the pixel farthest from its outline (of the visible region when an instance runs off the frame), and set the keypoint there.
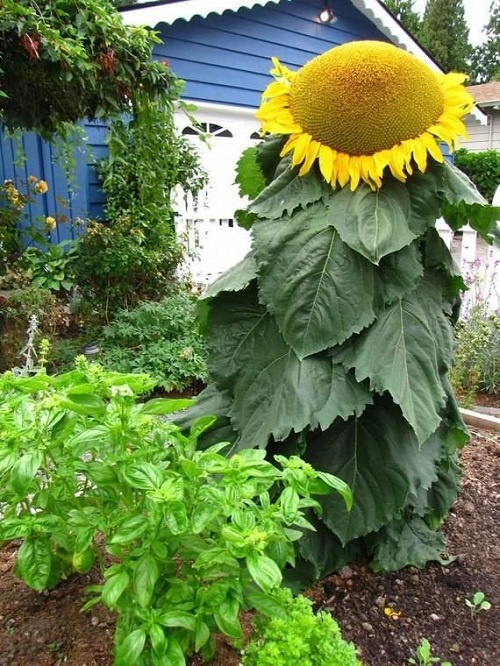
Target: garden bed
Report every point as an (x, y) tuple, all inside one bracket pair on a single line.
[(47, 629)]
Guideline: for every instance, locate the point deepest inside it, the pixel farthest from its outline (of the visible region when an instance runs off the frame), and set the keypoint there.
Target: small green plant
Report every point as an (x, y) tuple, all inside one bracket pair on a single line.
[(298, 636), (195, 536), (55, 648), (53, 267), (477, 603), (160, 339), (424, 657)]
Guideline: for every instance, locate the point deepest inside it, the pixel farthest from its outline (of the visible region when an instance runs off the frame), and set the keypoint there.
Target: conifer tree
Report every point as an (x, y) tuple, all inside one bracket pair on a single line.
[(404, 11), (486, 58), (445, 34)]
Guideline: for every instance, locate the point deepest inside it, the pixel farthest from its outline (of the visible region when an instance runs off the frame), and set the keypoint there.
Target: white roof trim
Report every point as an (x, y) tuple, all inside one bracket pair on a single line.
[(185, 10), (374, 10)]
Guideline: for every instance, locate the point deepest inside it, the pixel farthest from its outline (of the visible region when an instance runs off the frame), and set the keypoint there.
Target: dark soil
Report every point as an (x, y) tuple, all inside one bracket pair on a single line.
[(48, 629)]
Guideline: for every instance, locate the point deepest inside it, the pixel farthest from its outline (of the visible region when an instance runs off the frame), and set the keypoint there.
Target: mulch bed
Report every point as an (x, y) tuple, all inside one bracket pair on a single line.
[(47, 629)]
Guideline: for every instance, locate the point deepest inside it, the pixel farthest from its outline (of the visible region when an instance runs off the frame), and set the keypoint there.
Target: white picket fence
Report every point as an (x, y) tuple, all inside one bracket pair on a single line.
[(213, 244)]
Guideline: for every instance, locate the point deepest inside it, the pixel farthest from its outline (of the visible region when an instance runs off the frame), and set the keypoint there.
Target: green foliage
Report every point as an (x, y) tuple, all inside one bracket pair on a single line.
[(404, 11), (477, 603), (299, 636), (134, 254), (482, 168), (477, 358), (53, 267), (445, 34), (485, 65), (63, 61), (332, 339), (424, 656), (195, 536), (160, 339)]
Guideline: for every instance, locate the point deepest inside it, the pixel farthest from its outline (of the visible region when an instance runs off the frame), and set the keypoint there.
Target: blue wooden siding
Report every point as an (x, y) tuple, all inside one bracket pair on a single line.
[(226, 58), (65, 201)]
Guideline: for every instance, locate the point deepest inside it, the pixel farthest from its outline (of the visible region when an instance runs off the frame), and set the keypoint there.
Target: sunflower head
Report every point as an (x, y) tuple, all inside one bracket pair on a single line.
[(362, 107)]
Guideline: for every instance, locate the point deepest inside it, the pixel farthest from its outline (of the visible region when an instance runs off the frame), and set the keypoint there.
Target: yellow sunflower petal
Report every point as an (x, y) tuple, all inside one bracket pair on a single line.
[(311, 155), (326, 160), (300, 148)]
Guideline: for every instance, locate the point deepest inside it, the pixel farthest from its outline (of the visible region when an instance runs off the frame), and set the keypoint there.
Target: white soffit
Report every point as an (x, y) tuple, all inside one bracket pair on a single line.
[(186, 9)]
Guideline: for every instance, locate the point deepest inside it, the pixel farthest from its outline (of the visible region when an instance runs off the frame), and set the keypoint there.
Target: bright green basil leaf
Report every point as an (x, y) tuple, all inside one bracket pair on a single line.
[(85, 405), (202, 515), (289, 501), (160, 406), (24, 470), (319, 290), (146, 574), (178, 618), (130, 529), (128, 652), (176, 517), (158, 639), (174, 654), (144, 476), (202, 634), (264, 571), (34, 561), (265, 604), (226, 617), (333, 483), (114, 587)]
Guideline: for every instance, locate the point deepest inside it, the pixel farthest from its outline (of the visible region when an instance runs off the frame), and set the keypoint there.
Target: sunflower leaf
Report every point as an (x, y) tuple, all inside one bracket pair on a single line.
[(320, 291), (275, 392), (249, 177), (287, 192), (408, 542), (404, 353), (379, 458), (465, 205), (235, 278)]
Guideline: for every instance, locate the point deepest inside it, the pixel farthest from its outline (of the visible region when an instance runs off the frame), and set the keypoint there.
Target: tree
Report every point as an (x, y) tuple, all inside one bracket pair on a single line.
[(445, 34), (63, 60), (485, 62), (403, 10)]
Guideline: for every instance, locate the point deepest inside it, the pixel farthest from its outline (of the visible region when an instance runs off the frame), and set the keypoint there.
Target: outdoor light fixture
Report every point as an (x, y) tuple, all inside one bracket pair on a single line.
[(90, 351), (327, 15)]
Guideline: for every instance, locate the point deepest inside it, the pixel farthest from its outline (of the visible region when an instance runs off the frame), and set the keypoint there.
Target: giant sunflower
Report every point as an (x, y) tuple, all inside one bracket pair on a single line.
[(362, 107)]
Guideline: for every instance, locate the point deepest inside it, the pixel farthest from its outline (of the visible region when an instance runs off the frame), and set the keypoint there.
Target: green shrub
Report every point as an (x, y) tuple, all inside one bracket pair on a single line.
[(195, 536), (299, 637), (482, 168), (477, 358), (160, 339)]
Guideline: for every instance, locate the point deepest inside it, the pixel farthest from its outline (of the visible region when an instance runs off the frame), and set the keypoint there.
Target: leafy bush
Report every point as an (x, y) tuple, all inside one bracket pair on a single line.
[(482, 168), (52, 268), (299, 636), (195, 536), (161, 339), (477, 357), (134, 255)]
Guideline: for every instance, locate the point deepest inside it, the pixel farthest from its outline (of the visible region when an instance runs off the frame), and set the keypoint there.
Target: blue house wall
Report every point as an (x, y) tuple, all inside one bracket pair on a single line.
[(224, 59)]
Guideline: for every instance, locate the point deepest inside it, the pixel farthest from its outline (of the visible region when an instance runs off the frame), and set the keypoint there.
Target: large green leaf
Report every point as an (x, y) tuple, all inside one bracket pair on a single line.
[(404, 353), (434, 503), (438, 256), (320, 290), (373, 223), (249, 177), (274, 391), (378, 223), (268, 154), (287, 192), (380, 459), (236, 278), (465, 205), (399, 273), (405, 543)]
